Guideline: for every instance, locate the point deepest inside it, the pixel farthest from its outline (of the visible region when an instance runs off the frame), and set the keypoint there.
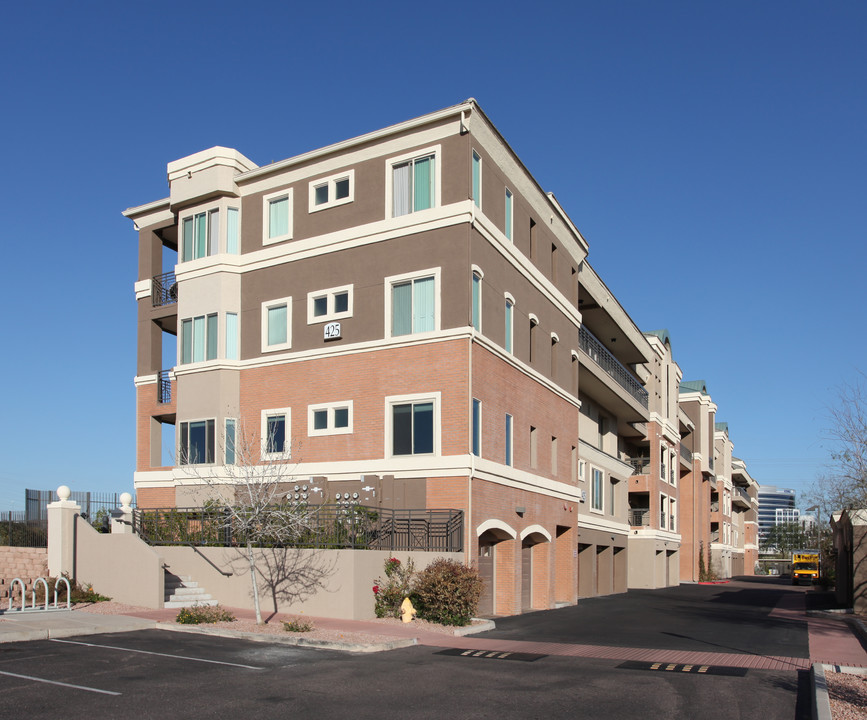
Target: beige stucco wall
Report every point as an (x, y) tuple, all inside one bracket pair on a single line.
[(324, 583), (121, 566)]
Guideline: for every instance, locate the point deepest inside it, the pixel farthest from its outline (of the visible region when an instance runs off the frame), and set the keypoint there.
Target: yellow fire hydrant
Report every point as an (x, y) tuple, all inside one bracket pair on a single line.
[(407, 611)]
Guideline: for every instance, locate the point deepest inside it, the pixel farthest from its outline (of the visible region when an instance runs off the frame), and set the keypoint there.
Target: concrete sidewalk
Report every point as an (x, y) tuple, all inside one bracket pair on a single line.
[(20, 626)]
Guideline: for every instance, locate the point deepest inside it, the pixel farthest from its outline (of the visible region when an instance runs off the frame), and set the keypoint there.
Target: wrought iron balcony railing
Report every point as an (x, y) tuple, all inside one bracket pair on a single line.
[(640, 465), (639, 517), (611, 365), (164, 387), (685, 453), (165, 289)]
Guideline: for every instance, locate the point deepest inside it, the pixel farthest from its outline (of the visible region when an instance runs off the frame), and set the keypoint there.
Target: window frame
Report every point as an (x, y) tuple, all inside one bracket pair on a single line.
[(286, 452), (393, 280), (330, 294), (510, 440), (271, 304), (597, 495), (509, 337), (476, 427), (509, 223), (184, 441), (234, 440), (330, 428), (331, 183), (414, 399), (267, 199), (419, 154)]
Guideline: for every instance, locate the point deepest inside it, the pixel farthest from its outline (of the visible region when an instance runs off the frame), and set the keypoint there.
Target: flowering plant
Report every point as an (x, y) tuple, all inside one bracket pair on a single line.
[(376, 589), (392, 565), (398, 584)]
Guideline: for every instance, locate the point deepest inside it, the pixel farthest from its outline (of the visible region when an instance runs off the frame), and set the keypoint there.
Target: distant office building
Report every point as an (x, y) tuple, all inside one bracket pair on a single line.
[(776, 506)]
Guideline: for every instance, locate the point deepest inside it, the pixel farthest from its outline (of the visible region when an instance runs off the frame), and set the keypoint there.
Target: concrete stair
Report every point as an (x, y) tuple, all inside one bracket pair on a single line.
[(182, 591)]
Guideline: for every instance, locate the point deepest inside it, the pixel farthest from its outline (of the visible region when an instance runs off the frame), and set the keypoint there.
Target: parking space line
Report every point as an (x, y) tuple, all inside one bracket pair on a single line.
[(62, 684), (159, 654)]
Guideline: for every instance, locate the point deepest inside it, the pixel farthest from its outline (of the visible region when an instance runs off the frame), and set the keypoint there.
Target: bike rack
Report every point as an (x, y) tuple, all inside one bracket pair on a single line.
[(44, 583)]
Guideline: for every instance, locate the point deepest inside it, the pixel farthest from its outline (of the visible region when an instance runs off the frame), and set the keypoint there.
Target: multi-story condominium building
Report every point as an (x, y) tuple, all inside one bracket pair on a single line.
[(654, 547), (745, 504), (408, 317), (776, 507)]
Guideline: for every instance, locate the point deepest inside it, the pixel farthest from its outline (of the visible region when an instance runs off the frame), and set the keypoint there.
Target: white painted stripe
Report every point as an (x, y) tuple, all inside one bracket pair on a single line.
[(148, 652), (62, 684)]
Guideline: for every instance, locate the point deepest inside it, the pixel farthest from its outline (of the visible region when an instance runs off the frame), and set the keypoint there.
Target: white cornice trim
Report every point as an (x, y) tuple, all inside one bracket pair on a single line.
[(144, 380), (143, 289)]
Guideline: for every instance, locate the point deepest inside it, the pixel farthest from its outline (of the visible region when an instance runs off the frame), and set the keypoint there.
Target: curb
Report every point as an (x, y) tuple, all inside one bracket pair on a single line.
[(291, 640), (821, 705)]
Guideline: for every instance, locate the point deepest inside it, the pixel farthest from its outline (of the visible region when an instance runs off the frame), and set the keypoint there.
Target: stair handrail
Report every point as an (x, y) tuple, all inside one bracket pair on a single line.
[(209, 561)]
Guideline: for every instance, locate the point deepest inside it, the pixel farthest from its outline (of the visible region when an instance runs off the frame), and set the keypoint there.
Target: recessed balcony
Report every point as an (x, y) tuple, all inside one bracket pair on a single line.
[(164, 290)]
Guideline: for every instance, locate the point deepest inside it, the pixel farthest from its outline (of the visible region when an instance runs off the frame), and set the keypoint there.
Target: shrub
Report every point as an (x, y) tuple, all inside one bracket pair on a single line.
[(448, 592), (198, 614), (78, 593), (389, 594), (297, 624)]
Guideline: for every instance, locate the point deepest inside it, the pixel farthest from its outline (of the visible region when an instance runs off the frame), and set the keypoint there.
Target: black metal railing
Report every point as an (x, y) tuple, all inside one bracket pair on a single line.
[(640, 465), (16, 530), (164, 387), (611, 365), (686, 454), (639, 517), (315, 526), (165, 289)]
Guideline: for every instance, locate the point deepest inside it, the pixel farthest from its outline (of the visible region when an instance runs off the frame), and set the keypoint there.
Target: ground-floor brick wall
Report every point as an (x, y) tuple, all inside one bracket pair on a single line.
[(24, 563)]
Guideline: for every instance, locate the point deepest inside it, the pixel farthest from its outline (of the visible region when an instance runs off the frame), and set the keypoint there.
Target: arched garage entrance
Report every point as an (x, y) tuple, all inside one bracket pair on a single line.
[(534, 567), (496, 549)]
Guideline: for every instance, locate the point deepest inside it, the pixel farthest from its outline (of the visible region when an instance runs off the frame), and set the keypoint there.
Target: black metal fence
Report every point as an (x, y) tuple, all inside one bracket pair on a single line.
[(16, 530), (315, 526)]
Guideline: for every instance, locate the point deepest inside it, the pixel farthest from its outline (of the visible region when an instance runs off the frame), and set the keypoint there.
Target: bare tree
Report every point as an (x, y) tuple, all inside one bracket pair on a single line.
[(845, 484), (251, 491)]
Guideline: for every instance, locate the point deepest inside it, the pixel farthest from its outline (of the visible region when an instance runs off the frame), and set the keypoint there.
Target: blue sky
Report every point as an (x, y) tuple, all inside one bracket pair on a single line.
[(713, 155)]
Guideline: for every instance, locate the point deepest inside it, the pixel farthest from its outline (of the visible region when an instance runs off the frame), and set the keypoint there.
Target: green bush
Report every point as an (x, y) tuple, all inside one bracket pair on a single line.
[(397, 585), (447, 592), (198, 614), (297, 625), (78, 593)]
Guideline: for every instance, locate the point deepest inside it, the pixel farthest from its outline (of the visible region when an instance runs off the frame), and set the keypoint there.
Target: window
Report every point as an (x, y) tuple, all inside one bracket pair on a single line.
[(329, 419), (553, 456), (509, 214), (411, 182), (581, 470), (672, 515), (663, 511), (331, 191), (276, 433), (196, 443), (534, 323), (663, 459), (200, 235), (277, 217), (232, 337), (411, 303), (509, 447), (534, 460), (510, 323), (477, 300), (477, 179), (612, 496), (554, 340), (233, 232), (596, 490), (199, 338), (477, 427), (330, 304), (230, 441), (672, 465), (414, 424), (277, 325)]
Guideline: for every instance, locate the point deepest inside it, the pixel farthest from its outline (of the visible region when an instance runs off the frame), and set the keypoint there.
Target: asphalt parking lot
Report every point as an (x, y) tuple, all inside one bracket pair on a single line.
[(159, 674)]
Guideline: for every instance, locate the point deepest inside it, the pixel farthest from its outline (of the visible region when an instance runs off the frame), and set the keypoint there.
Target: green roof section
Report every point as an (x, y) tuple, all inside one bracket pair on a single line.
[(661, 334), (721, 427), (694, 386)]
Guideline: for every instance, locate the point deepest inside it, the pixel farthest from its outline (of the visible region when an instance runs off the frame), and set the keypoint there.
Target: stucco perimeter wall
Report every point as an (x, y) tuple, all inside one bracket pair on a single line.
[(121, 566), (320, 583)]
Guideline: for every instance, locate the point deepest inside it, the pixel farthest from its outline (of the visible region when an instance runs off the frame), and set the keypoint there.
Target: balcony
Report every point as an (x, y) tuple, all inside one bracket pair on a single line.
[(640, 465), (165, 290), (686, 454), (597, 352), (164, 387), (740, 498), (639, 517)]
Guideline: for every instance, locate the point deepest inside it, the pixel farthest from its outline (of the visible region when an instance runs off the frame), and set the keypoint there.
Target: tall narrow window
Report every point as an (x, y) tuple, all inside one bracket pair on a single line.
[(477, 179), (534, 323), (477, 427), (277, 217), (510, 325), (534, 460), (554, 341), (509, 212), (663, 457), (532, 240), (232, 231), (413, 185), (230, 441), (509, 458), (596, 491), (477, 302), (553, 455), (232, 350), (553, 263), (612, 496)]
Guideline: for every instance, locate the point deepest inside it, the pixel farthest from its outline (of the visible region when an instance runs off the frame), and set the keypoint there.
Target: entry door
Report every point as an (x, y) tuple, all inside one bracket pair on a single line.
[(526, 578), (486, 573)]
